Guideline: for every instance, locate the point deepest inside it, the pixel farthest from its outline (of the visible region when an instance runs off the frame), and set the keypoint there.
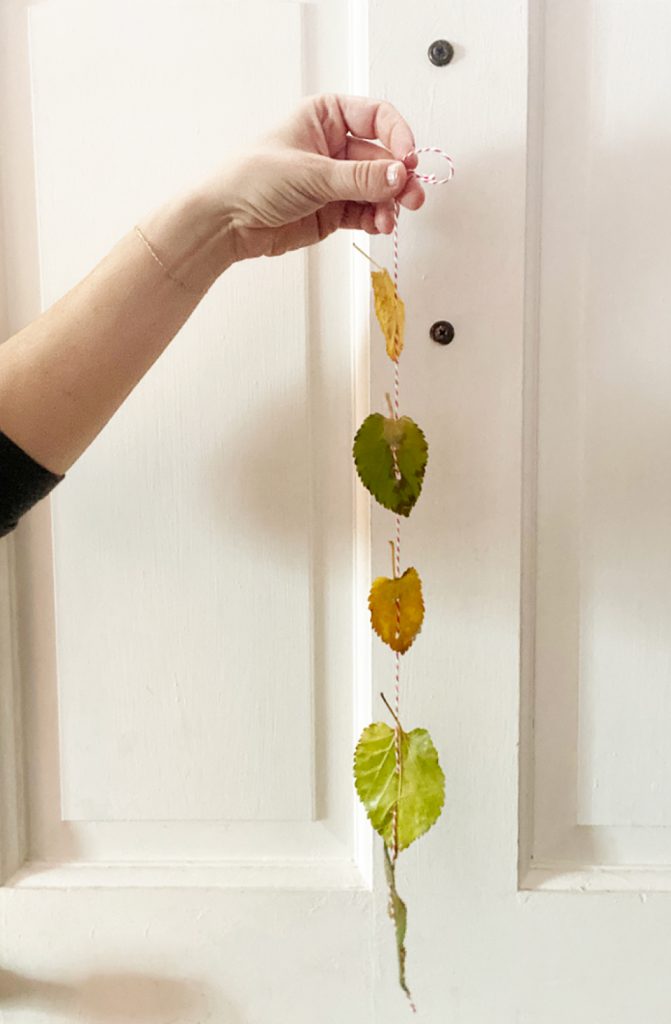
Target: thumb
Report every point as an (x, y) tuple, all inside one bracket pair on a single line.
[(367, 181)]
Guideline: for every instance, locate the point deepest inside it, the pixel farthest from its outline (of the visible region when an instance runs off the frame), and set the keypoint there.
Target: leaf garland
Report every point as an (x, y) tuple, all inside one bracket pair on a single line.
[(397, 774)]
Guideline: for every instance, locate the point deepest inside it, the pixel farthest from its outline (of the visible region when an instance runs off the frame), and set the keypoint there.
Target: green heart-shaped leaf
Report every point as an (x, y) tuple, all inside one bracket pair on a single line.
[(381, 446), (418, 792)]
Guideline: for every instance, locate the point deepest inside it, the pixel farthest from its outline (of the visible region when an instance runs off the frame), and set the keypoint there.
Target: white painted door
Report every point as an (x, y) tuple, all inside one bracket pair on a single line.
[(185, 656)]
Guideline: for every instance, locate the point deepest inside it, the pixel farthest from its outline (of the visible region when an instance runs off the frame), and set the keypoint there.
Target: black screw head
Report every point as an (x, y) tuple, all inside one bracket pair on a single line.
[(441, 52), (442, 332)]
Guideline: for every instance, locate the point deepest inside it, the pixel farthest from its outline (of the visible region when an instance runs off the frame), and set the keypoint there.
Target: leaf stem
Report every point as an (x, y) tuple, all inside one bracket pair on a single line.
[(370, 260), (391, 711), (391, 407), (393, 559)]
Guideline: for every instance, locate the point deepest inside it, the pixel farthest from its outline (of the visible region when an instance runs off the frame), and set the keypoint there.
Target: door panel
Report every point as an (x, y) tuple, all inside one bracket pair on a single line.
[(170, 706), (186, 640), (602, 774)]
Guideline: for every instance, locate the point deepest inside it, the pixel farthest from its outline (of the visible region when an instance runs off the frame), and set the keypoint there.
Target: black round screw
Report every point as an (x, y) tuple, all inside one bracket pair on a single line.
[(441, 52), (442, 332)]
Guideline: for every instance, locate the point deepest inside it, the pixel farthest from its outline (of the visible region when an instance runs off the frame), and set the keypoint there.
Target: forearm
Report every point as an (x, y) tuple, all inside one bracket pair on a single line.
[(63, 376)]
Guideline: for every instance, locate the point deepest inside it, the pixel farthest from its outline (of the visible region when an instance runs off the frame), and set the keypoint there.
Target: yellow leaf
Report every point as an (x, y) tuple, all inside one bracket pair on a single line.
[(390, 312), (397, 609)]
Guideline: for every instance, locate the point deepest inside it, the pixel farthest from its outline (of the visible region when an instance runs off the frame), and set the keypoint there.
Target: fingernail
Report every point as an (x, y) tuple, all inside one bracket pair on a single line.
[(393, 172)]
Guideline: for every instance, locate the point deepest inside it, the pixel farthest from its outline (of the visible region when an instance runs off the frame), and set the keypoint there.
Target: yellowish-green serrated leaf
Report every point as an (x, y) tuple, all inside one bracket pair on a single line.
[(390, 312), (382, 445), (399, 915), (418, 792), (397, 609)]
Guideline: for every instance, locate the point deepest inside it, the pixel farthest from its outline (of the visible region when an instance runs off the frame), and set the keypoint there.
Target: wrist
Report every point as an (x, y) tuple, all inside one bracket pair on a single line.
[(192, 239)]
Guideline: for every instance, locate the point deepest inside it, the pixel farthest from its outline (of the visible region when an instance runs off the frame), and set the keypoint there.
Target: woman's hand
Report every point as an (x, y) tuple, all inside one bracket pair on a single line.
[(64, 374), (338, 162)]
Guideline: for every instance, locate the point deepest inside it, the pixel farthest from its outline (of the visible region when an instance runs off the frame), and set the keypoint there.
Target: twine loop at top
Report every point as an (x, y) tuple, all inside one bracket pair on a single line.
[(431, 179)]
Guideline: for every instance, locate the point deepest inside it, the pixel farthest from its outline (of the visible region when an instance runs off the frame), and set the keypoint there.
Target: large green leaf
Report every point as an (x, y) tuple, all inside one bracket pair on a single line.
[(399, 915), (418, 793), (378, 440)]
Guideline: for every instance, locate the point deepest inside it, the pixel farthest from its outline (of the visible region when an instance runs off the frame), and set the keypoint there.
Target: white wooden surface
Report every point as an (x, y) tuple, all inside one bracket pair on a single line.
[(603, 661), (170, 865), (199, 653)]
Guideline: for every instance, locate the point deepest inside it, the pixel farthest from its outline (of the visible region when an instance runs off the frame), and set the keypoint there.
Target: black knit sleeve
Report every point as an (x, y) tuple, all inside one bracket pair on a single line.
[(23, 482)]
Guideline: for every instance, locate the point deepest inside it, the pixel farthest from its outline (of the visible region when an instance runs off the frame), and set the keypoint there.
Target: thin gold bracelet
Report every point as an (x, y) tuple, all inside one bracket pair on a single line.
[(161, 264)]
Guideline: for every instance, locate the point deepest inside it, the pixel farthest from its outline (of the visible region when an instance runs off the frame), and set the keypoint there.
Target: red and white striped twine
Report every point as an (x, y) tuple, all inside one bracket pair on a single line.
[(429, 179)]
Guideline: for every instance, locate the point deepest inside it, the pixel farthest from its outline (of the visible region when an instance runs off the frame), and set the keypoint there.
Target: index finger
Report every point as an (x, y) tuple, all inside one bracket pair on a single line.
[(367, 118)]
